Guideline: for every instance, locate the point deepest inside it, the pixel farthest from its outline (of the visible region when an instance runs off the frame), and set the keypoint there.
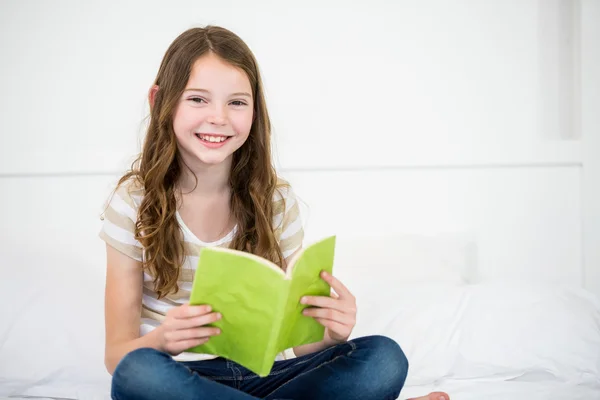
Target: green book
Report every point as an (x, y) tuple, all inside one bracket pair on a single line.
[(260, 303)]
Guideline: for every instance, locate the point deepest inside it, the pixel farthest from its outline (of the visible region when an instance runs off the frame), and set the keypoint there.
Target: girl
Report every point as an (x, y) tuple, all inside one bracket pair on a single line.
[(204, 178)]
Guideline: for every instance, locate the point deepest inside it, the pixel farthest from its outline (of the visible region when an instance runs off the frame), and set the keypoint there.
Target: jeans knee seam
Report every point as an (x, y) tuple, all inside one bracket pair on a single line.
[(353, 346), (306, 372), (281, 371), (215, 378), (237, 374)]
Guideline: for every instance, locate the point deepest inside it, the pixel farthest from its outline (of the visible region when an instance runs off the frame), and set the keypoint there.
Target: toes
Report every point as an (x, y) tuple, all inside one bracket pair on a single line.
[(432, 396), (438, 396)]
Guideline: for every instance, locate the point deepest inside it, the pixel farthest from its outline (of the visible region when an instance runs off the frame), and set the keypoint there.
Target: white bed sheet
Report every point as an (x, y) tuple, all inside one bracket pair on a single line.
[(479, 390), (32, 398), (506, 390), (479, 341)]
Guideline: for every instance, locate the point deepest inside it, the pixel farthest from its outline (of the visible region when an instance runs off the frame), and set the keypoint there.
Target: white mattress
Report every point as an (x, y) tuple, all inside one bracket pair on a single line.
[(478, 390), (483, 341), (507, 390)]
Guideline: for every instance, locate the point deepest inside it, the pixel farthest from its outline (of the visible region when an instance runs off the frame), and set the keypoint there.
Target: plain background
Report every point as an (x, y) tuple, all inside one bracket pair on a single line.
[(485, 115)]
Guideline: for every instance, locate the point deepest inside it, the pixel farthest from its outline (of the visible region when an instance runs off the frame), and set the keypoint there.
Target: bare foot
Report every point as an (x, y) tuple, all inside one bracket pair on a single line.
[(432, 396)]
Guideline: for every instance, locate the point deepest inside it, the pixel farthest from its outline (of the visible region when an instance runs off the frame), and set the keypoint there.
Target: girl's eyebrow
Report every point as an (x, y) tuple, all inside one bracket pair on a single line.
[(246, 94)]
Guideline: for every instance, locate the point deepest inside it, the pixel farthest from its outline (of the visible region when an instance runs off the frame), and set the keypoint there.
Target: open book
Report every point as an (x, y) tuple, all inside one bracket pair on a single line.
[(260, 303)]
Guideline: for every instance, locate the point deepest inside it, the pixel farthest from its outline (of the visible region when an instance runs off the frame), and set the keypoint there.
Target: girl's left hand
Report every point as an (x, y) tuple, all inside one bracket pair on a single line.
[(337, 313)]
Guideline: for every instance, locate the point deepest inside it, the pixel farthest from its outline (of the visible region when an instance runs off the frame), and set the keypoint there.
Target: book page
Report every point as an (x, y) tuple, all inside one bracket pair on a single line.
[(296, 328)]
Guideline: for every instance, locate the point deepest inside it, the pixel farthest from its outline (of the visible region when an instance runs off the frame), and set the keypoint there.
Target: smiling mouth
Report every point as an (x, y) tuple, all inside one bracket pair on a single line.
[(210, 138)]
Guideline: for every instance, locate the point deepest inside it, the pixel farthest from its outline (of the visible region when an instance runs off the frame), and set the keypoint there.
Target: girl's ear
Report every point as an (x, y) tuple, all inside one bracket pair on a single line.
[(152, 95)]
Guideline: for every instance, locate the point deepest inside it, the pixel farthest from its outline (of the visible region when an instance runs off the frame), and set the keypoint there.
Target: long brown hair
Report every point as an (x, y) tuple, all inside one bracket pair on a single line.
[(158, 167)]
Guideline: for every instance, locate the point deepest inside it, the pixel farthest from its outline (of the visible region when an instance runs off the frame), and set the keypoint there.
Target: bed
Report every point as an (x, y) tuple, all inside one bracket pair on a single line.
[(462, 179), (486, 340)]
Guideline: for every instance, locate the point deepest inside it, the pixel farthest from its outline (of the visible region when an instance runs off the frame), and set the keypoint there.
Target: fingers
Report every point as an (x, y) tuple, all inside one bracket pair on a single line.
[(337, 285), (188, 322), (340, 297), (346, 306), (333, 326), (336, 312), (330, 314), (175, 348), (321, 301), (191, 334), (189, 311), (195, 322), (188, 344), (185, 327)]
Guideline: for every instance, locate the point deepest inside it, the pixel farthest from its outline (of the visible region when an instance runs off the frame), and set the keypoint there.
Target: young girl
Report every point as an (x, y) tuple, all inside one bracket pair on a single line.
[(204, 178)]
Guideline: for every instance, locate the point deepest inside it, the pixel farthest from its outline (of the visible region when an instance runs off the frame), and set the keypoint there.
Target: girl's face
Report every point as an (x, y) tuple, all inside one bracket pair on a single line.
[(214, 115)]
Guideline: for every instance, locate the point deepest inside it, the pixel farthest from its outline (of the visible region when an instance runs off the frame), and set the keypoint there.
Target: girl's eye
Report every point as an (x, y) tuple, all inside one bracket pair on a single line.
[(238, 103), (198, 100)]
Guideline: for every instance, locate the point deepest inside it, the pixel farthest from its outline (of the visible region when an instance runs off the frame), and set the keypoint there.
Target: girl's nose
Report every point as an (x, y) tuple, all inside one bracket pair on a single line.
[(218, 116)]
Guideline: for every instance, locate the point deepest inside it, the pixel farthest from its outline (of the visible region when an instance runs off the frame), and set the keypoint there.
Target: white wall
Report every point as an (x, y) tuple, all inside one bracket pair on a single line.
[(590, 112), (415, 116)]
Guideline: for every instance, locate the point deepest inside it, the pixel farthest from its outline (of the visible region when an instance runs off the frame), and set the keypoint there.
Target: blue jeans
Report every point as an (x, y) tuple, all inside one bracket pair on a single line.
[(371, 367)]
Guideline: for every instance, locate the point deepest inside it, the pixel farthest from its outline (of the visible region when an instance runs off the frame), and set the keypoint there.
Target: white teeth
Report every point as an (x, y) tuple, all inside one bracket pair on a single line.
[(212, 139)]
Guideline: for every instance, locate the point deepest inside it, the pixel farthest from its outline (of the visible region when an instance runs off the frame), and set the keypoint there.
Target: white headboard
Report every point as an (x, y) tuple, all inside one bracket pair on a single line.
[(524, 223)]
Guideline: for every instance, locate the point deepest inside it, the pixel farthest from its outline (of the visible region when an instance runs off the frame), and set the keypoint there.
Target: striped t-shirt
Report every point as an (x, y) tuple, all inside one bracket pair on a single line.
[(118, 231)]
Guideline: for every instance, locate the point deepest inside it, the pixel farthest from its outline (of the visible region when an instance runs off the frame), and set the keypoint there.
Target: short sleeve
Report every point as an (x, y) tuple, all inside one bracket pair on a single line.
[(288, 222), (119, 221)]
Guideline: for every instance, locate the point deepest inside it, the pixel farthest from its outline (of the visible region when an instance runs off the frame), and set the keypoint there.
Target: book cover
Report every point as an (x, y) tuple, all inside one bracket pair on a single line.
[(259, 302)]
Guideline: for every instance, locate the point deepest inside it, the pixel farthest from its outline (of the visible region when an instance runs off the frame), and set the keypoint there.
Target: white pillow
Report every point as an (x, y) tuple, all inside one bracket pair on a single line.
[(52, 336), (410, 288), (423, 318), (52, 331), (530, 332), (53, 265)]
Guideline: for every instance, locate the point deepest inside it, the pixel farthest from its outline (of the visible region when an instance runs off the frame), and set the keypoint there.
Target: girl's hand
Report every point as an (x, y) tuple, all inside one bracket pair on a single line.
[(184, 328), (337, 313)]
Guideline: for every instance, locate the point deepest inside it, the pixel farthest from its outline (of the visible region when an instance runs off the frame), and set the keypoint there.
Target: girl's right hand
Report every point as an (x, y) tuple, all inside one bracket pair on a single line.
[(184, 328)]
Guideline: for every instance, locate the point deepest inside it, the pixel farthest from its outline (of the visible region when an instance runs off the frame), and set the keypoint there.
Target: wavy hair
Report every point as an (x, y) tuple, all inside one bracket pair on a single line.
[(158, 167)]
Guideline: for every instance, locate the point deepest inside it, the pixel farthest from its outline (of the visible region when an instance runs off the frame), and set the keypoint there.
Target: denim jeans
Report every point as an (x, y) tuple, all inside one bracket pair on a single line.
[(371, 367)]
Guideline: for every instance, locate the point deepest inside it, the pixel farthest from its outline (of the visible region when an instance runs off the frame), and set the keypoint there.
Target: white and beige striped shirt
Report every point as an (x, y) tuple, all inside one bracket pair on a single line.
[(119, 228)]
